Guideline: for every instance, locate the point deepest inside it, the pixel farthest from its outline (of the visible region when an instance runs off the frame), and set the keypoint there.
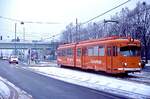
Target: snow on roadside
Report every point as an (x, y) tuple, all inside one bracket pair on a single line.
[(147, 64), (43, 64), (4, 90), (22, 94), (95, 81)]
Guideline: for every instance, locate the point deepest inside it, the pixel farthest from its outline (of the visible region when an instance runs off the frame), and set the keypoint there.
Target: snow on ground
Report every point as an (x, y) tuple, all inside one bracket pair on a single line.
[(4, 90), (95, 81), (42, 63), (147, 67), (147, 64), (143, 76)]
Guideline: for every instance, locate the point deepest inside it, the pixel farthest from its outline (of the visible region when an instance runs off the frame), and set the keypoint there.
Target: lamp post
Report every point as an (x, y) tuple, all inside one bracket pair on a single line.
[(22, 23), (1, 49), (15, 36), (144, 33), (76, 30)]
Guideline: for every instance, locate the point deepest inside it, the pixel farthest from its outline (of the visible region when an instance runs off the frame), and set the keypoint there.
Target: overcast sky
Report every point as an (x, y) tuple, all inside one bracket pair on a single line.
[(60, 11)]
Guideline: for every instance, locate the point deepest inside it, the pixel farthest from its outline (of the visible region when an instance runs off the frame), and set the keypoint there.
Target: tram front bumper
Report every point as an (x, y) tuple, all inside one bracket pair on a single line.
[(130, 69)]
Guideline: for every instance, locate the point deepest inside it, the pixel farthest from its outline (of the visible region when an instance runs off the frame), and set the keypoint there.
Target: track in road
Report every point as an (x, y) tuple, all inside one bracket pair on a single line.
[(42, 87)]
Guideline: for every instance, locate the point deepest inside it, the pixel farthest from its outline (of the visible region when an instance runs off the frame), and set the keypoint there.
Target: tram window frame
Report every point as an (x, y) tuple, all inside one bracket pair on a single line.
[(109, 52), (78, 52), (115, 51), (101, 51), (84, 51)]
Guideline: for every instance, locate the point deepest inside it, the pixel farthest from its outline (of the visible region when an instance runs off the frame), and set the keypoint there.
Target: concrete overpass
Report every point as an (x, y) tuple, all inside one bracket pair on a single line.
[(28, 45)]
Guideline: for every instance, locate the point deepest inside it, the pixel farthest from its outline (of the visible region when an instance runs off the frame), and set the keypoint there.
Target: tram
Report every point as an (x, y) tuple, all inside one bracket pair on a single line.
[(112, 55)]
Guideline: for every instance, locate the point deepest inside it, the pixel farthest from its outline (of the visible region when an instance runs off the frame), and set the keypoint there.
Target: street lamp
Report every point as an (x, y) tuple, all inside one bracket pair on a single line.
[(144, 33), (15, 36), (22, 23)]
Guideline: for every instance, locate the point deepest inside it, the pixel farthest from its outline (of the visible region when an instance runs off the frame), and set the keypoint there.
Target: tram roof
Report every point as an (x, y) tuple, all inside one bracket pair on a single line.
[(111, 40)]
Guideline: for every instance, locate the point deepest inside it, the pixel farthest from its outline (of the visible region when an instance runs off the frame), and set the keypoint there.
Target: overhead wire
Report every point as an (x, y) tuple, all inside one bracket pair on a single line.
[(36, 22), (10, 19), (101, 14), (105, 12), (78, 25)]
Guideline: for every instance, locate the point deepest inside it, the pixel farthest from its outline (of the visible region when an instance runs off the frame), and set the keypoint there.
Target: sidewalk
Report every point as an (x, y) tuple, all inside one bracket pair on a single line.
[(43, 64), (10, 91)]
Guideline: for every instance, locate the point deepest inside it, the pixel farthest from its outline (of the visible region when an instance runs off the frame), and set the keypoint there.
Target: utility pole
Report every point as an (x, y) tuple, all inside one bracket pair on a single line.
[(15, 36), (22, 23), (76, 30), (144, 33), (24, 33), (1, 37)]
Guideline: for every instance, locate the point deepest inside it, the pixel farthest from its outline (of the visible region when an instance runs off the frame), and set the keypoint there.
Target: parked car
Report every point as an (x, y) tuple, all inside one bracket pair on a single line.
[(13, 59), (5, 57)]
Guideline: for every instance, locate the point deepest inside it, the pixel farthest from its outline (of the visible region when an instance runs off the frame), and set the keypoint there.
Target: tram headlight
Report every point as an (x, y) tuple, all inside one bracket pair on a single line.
[(139, 64), (125, 64)]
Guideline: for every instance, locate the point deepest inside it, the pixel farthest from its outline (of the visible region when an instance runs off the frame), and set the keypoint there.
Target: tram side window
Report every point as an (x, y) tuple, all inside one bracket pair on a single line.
[(63, 52), (101, 51), (69, 52), (90, 51), (79, 52), (59, 53), (95, 51)]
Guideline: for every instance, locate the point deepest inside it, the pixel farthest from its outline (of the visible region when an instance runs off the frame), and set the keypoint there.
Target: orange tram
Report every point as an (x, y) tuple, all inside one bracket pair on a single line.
[(112, 54)]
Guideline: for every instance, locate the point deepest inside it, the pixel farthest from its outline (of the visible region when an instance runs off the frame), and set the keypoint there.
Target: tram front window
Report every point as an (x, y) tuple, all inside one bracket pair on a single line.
[(130, 51)]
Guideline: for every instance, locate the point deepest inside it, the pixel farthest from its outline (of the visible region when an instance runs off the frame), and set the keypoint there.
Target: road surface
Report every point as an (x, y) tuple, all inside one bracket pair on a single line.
[(42, 87)]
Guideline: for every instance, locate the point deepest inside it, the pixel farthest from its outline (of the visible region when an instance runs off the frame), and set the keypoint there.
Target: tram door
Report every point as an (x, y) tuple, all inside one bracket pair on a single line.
[(79, 57), (109, 59)]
